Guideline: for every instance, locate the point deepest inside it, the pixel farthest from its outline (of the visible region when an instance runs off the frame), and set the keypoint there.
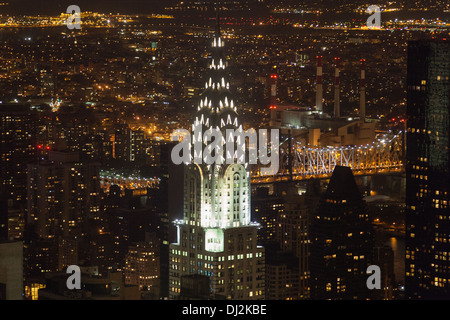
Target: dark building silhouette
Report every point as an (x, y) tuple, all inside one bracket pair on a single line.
[(18, 125), (283, 277), (40, 256), (195, 287), (341, 241), (266, 209), (63, 192), (11, 270), (383, 256), (427, 171), (93, 287), (130, 221), (283, 216), (3, 218)]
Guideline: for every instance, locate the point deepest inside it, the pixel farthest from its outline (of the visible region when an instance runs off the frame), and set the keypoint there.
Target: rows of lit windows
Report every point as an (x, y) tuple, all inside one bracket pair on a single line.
[(417, 176), (336, 201), (438, 203), (441, 282), (442, 255), (419, 167)]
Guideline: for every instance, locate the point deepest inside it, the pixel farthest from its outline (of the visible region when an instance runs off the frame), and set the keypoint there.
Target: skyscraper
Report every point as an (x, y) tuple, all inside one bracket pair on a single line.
[(427, 171), (283, 216), (63, 193), (341, 241), (216, 237), (18, 125), (142, 264)]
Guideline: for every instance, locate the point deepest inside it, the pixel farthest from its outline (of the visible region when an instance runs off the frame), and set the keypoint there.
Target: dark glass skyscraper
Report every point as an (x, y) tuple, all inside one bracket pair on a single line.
[(427, 171), (342, 241)]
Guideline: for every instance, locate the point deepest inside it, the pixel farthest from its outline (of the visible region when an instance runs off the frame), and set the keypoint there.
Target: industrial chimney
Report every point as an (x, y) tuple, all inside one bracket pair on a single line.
[(337, 111), (319, 87), (362, 92)]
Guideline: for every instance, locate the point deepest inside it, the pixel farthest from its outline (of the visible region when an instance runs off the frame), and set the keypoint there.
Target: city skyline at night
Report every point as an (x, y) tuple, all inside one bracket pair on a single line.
[(88, 176)]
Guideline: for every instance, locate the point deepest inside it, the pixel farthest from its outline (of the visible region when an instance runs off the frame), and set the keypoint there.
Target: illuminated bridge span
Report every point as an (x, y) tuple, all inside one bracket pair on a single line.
[(298, 162), (108, 178)]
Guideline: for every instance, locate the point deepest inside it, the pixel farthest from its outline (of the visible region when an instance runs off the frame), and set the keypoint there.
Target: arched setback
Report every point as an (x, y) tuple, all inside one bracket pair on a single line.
[(193, 194), (237, 189), (224, 196)]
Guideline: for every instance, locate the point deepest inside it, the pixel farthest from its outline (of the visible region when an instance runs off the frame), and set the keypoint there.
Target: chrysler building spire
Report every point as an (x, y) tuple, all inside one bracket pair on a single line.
[(216, 229), (217, 20), (217, 111), (216, 96)]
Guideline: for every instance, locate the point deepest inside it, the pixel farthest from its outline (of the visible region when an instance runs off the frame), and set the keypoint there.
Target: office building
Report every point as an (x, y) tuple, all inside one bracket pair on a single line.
[(142, 264), (427, 171), (342, 241), (63, 193), (18, 125)]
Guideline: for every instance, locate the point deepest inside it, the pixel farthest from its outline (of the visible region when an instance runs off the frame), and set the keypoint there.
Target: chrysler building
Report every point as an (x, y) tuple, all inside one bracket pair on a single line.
[(216, 237)]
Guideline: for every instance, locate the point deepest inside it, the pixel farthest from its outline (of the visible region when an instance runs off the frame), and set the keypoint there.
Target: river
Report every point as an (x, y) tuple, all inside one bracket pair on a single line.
[(398, 246)]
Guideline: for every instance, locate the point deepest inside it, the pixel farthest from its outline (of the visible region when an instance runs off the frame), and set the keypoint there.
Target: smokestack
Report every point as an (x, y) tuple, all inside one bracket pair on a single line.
[(319, 88), (273, 91), (337, 111), (362, 91)]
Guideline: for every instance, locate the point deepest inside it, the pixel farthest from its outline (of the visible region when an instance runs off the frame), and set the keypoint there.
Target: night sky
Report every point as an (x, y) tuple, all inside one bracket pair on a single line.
[(52, 7)]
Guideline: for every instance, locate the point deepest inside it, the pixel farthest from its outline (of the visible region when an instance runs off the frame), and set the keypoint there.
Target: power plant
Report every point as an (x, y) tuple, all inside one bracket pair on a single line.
[(312, 126)]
